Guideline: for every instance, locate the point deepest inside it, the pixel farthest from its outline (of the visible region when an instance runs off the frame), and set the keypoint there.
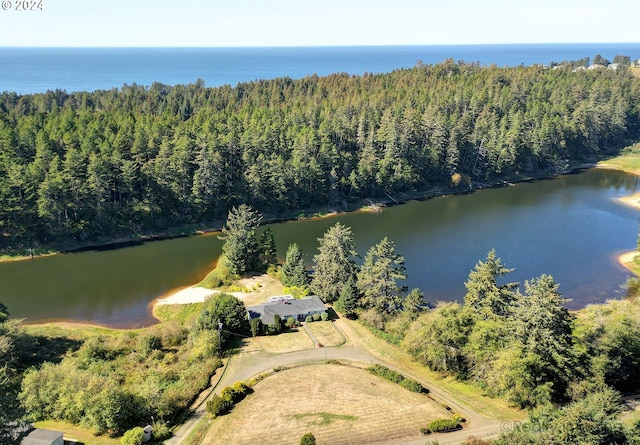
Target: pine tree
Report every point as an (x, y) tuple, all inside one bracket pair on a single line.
[(294, 272), (347, 303), (413, 303), (334, 263), (379, 275), (484, 294), (268, 248), (241, 246)]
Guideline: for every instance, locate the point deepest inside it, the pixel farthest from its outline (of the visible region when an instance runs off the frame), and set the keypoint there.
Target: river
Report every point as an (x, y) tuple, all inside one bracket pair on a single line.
[(571, 227)]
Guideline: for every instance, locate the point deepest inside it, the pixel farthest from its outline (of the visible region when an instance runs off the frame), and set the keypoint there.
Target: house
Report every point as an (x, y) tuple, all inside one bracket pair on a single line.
[(43, 437), (286, 307)]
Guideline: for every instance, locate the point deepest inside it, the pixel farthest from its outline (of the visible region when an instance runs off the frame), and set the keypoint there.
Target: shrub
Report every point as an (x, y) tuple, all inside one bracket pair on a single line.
[(411, 385), (256, 326), (308, 439), (458, 418), (395, 377), (161, 431), (149, 343), (324, 316), (443, 425), (317, 317), (290, 323), (296, 291), (134, 436), (218, 406), (308, 319)]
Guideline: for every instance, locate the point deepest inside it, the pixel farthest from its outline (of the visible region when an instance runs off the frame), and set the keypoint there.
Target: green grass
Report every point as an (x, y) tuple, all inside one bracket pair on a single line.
[(182, 313), (219, 276), (74, 432), (628, 161), (323, 418)]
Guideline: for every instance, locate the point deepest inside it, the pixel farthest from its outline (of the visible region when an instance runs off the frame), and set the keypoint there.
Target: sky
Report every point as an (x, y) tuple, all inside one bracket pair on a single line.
[(215, 23)]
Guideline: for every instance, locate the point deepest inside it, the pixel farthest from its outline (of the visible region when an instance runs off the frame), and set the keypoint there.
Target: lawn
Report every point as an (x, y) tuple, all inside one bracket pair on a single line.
[(338, 404), (288, 341), (326, 333), (80, 434)]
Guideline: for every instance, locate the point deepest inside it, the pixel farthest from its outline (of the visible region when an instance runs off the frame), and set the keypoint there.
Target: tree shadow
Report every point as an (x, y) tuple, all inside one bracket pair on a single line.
[(33, 350)]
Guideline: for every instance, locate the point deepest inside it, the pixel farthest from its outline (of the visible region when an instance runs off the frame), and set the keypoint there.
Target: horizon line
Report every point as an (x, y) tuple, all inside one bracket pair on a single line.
[(309, 46)]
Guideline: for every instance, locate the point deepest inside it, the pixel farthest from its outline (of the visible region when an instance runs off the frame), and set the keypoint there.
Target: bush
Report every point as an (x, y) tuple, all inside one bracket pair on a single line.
[(308, 439), (317, 317), (290, 323), (308, 319), (134, 436), (395, 377), (411, 385), (236, 393), (161, 431), (149, 343), (458, 418), (296, 291), (256, 326), (443, 425), (324, 316), (218, 406)]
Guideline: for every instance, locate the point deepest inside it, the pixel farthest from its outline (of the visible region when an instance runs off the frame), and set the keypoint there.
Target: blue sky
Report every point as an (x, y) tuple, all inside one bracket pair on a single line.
[(327, 22)]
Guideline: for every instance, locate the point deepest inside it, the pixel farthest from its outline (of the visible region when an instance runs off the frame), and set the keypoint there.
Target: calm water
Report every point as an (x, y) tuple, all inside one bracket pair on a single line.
[(36, 70), (570, 227)]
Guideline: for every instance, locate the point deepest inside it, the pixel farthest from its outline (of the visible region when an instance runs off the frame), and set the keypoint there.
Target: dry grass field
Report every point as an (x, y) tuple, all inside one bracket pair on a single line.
[(326, 333), (289, 341), (338, 404)]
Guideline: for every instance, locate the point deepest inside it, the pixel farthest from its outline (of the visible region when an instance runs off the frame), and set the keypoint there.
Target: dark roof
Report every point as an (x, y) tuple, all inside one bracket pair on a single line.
[(286, 309), (40, 436)]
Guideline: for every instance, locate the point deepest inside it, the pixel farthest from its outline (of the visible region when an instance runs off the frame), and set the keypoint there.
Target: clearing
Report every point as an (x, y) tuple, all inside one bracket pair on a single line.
[(339, 404)]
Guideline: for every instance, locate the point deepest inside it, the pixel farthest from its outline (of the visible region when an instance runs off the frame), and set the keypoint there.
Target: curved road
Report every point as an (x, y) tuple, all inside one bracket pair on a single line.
[(249, 364)]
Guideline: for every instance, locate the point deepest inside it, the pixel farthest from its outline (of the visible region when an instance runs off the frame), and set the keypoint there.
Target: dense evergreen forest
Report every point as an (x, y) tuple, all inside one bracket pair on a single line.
[(135, 160)]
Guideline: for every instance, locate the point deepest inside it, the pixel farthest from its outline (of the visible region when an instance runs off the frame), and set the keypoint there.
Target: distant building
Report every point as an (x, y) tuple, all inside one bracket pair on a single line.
[(286, 307), (43, 437)]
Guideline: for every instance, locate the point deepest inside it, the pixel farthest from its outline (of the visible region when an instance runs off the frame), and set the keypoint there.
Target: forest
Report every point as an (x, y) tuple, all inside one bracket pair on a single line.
[(92, 167)]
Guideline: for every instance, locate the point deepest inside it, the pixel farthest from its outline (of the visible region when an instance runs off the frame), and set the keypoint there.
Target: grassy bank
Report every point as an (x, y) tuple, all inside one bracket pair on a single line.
[(628, 161)]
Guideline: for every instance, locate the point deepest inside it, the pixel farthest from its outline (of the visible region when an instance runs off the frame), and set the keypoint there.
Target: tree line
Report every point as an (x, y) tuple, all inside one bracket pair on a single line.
[(136, 160)]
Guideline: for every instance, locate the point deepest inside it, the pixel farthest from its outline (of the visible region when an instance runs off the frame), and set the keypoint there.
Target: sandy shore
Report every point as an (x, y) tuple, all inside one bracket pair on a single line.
[(191, 294), (627, 258), (631, 200)]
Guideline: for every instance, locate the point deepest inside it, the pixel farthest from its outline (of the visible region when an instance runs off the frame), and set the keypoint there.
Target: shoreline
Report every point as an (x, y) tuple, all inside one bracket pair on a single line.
[(185, 295), (627, 259), (363, 205)]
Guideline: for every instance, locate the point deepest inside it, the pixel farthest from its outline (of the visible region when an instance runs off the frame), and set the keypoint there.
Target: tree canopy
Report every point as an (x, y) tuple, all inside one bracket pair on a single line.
[(334, 263), (240, 248), (134, 160)]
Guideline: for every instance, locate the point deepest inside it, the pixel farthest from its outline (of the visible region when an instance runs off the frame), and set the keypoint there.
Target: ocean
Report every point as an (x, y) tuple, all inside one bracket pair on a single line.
[(36, 70)]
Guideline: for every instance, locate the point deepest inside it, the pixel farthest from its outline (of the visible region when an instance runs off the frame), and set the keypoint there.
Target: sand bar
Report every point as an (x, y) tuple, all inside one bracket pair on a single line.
[(191, 294)]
